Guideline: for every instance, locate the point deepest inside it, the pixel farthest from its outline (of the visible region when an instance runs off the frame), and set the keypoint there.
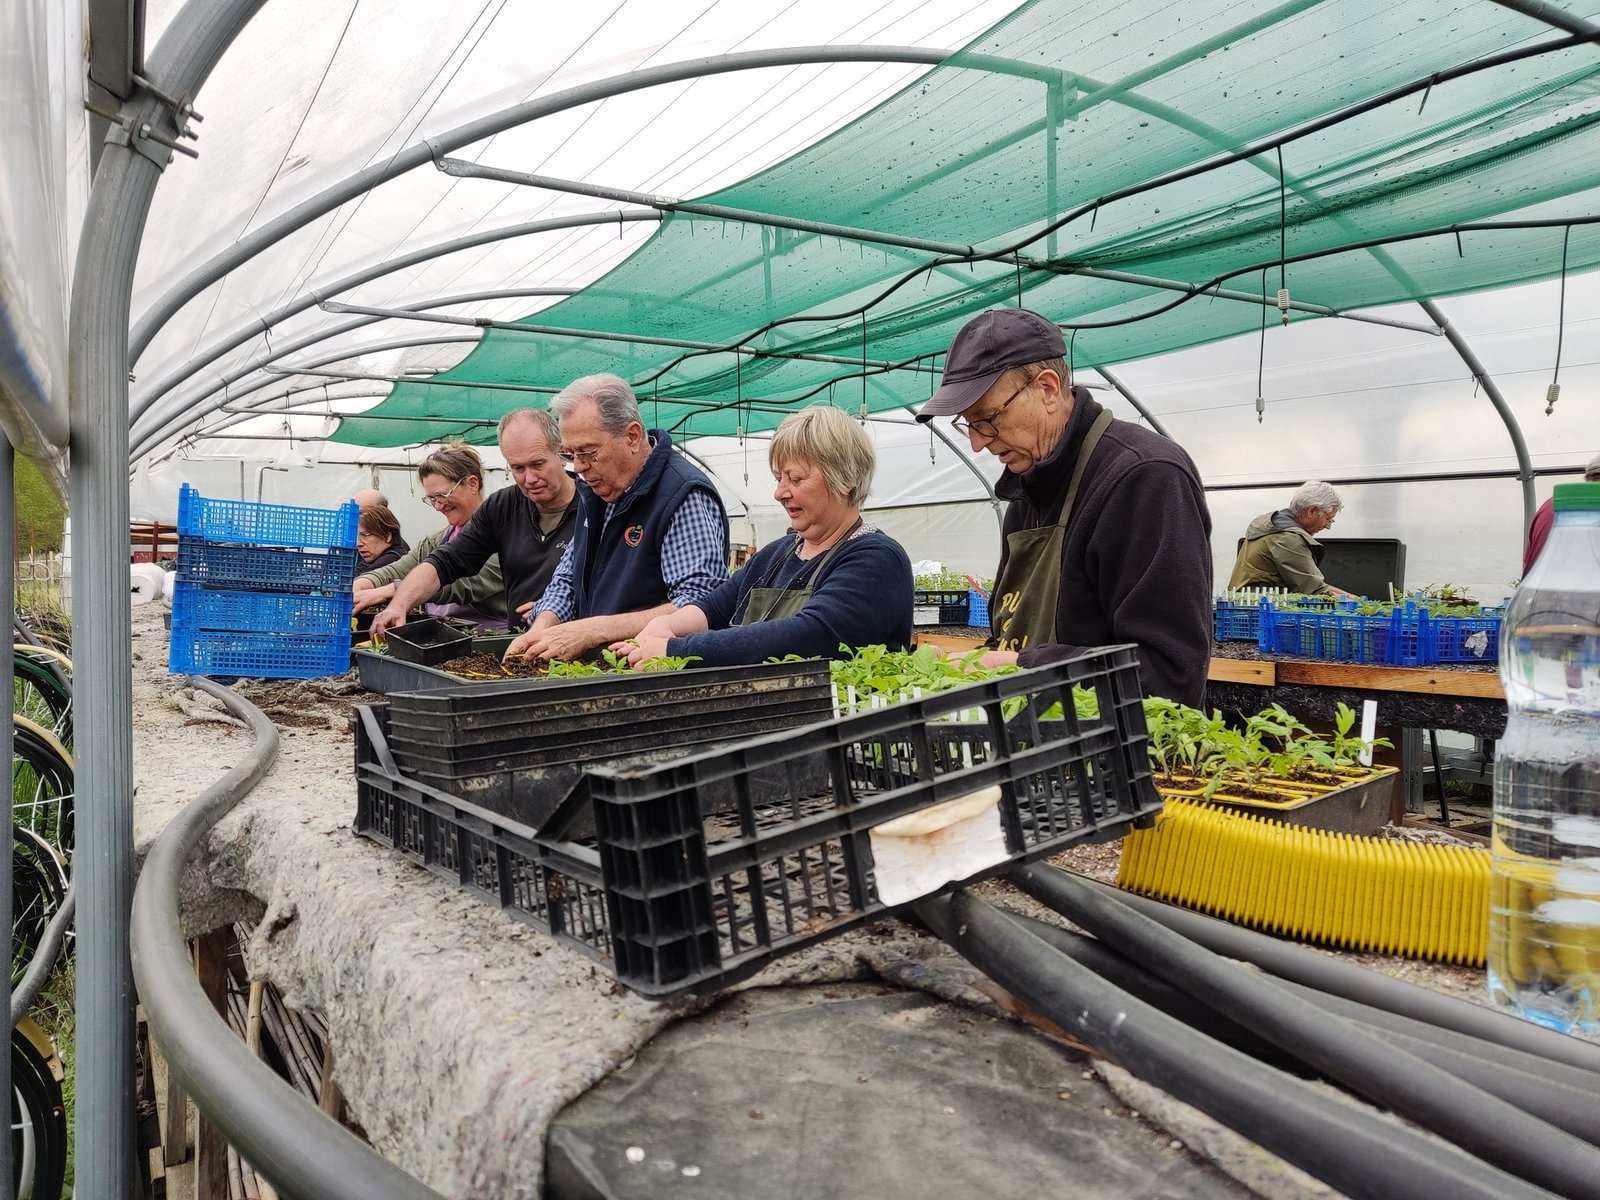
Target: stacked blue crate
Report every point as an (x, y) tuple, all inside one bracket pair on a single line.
[(263, 590)]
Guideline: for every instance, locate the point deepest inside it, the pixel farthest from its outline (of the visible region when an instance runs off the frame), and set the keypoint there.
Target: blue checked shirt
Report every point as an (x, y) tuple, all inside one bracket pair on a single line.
[(692, 559)]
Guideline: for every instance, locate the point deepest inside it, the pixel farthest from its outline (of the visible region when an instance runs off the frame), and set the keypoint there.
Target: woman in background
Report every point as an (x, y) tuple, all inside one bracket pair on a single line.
[(452, 482), (377, 535)]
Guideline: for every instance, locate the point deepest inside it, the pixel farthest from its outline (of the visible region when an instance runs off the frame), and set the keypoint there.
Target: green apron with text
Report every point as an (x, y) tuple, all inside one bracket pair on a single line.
[(1023, 611), (774, 604)]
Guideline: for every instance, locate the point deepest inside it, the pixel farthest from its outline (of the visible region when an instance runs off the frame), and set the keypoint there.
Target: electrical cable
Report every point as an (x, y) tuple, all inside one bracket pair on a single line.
[(1499, 1132), (1348, 1147)]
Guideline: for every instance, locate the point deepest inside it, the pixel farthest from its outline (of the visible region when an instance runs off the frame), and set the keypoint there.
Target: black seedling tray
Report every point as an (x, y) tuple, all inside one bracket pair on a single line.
[(427, 642)]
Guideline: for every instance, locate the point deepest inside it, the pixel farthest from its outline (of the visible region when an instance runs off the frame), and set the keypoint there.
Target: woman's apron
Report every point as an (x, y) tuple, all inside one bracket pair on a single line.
[(1023, 612), (774, 604)]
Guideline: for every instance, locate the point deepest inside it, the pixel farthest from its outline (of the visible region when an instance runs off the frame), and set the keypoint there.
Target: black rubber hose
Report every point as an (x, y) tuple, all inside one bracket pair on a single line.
[(1498, 1132), (1522, 1079), (1357, 983), (1159, 994), (1346, 1146), (1516, 1060)]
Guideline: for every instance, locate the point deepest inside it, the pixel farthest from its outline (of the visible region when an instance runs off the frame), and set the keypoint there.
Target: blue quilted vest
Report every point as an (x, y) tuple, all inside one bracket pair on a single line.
[(618, 569)]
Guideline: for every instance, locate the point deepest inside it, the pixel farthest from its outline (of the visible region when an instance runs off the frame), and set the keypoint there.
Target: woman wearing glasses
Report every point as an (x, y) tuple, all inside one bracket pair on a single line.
[(831, 582), (378, 536), (452, 482)]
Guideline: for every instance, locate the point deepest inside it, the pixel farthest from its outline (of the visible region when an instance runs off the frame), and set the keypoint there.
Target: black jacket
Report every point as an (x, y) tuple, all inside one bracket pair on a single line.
[(1136, 559)]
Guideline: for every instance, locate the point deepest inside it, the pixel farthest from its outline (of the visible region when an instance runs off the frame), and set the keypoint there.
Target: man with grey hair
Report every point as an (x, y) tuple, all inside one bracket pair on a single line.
[(1280, 549), (529, 526), (1546, 517), (652, 535)]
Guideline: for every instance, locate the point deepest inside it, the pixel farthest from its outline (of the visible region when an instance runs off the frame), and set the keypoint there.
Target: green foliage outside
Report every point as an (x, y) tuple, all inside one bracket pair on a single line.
[(39, 512)]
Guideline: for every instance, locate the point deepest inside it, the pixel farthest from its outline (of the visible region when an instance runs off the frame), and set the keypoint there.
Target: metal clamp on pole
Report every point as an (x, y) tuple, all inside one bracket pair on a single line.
[(139, 123)]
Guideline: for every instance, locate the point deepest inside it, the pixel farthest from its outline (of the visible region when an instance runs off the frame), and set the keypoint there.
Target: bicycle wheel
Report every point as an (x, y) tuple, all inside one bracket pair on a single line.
[(38, 1116), (38, 884), (42, 786), (42, 693)]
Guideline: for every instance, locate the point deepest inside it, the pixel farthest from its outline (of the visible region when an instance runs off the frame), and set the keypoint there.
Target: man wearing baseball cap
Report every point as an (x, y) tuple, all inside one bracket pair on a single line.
[(1106, 537)]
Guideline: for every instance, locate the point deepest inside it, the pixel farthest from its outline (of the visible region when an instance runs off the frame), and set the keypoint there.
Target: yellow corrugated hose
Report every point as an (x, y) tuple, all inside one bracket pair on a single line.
[(1362, 893)]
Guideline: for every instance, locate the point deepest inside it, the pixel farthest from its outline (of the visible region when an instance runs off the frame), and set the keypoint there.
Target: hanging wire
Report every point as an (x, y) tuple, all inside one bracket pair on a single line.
[(1283, 243), (863, 369), (1072, 348), (1261, 362), (1019, 283), (1553, 393), (739, 414)]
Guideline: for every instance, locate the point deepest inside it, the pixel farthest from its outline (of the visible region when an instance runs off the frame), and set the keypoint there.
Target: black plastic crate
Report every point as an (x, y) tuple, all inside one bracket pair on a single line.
[(941, 607), (695, 901)]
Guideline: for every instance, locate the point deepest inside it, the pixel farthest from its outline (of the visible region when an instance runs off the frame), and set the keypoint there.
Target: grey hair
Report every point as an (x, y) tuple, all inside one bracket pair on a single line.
[(542, 417), (831, 441), (1591, 472), (611, 394), (1314, 494)]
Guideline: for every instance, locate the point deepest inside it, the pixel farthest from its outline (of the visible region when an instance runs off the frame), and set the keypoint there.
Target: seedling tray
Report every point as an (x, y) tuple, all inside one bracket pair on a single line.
[(466, 713), (1361, 807), (675, 900), (426, 641)]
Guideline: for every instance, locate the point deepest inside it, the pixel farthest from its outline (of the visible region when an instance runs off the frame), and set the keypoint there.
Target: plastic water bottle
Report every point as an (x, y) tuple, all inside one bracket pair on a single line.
[(1544, 915)]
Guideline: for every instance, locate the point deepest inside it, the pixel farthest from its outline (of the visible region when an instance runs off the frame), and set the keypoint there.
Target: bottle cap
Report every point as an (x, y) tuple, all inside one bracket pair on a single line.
[(1577, 497)]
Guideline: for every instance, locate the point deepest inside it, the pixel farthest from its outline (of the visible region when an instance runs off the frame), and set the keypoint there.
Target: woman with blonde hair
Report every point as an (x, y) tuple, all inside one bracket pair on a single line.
[(832, 582), (452, 482)]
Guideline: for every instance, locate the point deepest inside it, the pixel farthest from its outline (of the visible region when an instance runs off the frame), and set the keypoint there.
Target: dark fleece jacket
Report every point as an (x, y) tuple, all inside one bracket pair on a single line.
[(1136, 559)]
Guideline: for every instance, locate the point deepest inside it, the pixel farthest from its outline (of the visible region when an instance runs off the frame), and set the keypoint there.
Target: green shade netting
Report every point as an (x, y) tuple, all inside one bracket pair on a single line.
[(1038, 146)]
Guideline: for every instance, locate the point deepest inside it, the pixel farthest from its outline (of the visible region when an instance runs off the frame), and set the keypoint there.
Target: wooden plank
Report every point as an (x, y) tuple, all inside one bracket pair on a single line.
[(1262, 672), (211, 1151), (1422, 680), (946, 641)]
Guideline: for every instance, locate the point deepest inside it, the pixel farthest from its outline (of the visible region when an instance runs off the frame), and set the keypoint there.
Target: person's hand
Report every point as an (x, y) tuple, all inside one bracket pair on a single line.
[(371, 597), (524, 609), (562, 642), (387, 619), (643, 647), (658, 627), (998, 658)]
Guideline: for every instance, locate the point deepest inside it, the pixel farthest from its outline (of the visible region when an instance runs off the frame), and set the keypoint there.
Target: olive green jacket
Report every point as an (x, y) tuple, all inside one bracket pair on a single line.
[(1272, 556), (485, 591)]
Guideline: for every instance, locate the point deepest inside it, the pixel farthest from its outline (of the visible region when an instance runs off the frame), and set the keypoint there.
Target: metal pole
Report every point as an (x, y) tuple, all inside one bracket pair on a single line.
[(1553, 15), (243, 333), (462, 169), (119, 204), (1492, 390), (8, 583), (1127, 394)]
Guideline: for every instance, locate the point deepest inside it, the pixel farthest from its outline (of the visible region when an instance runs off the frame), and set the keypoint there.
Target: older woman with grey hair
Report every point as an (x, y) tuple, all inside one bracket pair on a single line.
[(833, 582), (1280, 549)]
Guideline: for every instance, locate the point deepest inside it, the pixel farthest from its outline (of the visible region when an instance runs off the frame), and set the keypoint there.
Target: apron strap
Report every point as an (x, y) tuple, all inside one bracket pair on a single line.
[(1101, 424)]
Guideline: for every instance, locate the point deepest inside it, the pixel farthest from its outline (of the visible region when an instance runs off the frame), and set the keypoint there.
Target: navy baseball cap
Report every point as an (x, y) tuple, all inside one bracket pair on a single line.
[(987, 347)]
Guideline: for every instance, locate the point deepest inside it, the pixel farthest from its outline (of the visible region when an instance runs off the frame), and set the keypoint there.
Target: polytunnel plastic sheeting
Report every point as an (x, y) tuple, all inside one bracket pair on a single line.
[(314, 91), (962, 155)]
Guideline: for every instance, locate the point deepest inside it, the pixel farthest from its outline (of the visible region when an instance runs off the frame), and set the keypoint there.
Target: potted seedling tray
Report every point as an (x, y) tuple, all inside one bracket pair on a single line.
[(1360, 806), (518, 749), (426, 643)]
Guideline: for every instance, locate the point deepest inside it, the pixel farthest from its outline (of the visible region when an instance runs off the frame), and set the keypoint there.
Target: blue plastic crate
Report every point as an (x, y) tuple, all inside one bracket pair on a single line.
[(266, 569), (1463, 639), (1397, 639), (1237, 622), (258, 655), (977, 609), (198, 608), (252, 524)]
